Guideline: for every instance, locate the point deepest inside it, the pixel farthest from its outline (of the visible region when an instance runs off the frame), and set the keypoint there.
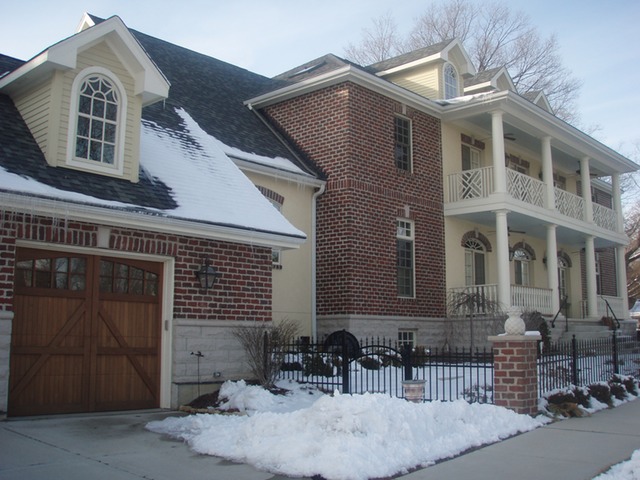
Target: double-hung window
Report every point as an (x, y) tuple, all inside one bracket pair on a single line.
[(405, 258), (402, 134)]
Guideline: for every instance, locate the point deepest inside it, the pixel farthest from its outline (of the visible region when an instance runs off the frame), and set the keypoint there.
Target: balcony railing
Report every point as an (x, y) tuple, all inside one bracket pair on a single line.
[(478, 183), (483, 297)]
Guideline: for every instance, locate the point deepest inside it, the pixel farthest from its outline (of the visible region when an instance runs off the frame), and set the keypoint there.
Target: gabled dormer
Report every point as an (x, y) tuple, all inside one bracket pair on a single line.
[(82, 98), (494, 79), (540, 99), (436, 72)]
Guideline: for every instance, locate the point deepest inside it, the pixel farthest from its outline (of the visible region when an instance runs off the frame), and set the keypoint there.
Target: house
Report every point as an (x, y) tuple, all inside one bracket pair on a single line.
[(443, 182), (125, 169), (335, 195)]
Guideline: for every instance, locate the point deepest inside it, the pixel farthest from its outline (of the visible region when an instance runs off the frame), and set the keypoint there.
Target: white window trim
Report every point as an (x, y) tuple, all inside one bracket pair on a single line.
[(412, 238), (444, 80), (118, 165)]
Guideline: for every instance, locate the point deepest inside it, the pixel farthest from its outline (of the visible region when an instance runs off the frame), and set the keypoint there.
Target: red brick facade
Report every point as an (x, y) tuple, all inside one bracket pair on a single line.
[(243, 291), (349, 132)]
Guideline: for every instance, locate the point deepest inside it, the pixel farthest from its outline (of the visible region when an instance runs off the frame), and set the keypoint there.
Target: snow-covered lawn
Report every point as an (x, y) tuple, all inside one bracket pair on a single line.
[(345, 437)]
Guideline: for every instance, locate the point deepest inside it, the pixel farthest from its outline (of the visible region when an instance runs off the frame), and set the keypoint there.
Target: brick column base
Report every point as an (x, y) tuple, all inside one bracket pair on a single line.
[(515, 376)]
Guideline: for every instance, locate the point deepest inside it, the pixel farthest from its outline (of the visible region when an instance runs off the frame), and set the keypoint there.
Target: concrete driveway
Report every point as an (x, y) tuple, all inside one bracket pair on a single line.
[(106, 446)]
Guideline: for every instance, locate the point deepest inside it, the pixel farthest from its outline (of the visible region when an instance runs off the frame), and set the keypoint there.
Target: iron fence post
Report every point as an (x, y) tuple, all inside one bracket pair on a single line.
[(616, 368), (406, 362), (345, 364), (574, 360)]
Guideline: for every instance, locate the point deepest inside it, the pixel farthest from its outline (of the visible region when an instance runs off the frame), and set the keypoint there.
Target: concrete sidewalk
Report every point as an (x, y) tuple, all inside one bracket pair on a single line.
[(572, 449), (117, 447)]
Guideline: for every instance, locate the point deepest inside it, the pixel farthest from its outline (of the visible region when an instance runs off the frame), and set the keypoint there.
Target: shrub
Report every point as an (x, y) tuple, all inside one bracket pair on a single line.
[(582, 396), (369, 363), (314, 365), (265, 343), (601, 392)]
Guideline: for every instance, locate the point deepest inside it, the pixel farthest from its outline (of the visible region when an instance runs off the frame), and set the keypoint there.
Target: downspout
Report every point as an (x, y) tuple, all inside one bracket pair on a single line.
[(314, 316)]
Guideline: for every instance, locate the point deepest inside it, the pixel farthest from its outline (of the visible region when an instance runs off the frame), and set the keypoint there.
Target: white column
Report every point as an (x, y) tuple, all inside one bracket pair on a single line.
[(497, 138), (617, 201), (590, 265), (547, 173), (621, 277), (502, 260), (552, 267), (585, 178)]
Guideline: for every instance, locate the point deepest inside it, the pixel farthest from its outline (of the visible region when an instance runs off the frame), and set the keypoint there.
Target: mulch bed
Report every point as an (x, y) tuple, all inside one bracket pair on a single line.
[(210, 403)]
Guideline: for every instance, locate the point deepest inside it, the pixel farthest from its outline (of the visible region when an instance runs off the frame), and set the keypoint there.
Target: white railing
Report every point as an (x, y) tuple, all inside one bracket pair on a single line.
[(482, 297), (532, 299), (525, 188), (569, 204), (476, 183), (604, 217)]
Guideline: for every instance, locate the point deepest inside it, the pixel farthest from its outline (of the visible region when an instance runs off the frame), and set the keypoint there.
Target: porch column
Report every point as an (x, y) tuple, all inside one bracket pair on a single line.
[(502, 260), (552, 267), (621, 278), (547, 173), (590, 265), (585, 178), (617, 202), (497, 138)]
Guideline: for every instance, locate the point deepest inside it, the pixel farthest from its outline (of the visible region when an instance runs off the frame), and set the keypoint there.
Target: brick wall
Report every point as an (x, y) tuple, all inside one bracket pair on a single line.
[(243, 292), (348, 131)]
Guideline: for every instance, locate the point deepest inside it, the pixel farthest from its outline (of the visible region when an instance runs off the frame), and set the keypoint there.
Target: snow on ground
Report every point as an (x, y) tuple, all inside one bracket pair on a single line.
[(629, 470), (341, 437)]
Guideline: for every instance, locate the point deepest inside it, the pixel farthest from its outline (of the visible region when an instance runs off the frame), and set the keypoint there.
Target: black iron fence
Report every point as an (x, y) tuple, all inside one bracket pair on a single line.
[(584, 362), (343, 363)]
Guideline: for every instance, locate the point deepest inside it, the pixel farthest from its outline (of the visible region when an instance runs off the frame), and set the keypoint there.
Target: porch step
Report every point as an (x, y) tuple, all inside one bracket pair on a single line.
[(584, 331)]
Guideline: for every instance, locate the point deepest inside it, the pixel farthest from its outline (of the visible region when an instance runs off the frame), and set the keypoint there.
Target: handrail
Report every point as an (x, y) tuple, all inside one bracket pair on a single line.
[(617, 324), (562, 305)]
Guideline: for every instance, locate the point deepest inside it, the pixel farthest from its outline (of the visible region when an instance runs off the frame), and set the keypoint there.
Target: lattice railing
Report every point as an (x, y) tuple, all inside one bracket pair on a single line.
[(525, 188), (476, 183), (604, 217), (569, 204)]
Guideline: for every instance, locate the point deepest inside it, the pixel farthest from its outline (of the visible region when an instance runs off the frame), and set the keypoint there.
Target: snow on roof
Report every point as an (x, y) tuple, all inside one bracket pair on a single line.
[(204, 182)]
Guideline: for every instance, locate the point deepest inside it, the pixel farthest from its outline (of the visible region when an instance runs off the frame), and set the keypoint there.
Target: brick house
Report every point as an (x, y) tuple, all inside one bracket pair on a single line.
[(122, 175), (444, 183)]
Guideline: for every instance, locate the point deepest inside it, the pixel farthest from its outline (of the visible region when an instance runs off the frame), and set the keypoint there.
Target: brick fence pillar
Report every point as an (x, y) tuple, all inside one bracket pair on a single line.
[(515, 384)]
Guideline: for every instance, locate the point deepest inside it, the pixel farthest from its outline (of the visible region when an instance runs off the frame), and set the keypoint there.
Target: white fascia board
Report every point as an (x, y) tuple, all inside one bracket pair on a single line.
[(410, 65), (302, 179), (347, 74), (48, 207)]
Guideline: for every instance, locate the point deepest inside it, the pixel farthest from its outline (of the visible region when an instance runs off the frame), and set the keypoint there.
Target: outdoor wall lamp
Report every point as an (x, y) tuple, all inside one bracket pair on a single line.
[(207, 275)]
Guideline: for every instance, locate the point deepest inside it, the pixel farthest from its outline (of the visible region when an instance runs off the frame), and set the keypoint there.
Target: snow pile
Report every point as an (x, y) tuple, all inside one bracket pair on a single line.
[(346, 437), (629, 470)]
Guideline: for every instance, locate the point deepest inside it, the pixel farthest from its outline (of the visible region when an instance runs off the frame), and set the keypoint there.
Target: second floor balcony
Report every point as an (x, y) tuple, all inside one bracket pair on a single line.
[(478, 184)]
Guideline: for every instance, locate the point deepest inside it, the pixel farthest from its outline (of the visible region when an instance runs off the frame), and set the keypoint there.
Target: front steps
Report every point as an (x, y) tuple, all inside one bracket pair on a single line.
[(588, 329)]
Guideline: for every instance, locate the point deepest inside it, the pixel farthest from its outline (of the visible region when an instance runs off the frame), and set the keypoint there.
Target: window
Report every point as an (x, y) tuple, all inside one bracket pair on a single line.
[(402, 132), (276, 253), (522, 265), (474, 252), (598, 276), (563, 278), (405, 259), (60, 273), (470, 157), (96, 130), (450, 81), (406, 338)]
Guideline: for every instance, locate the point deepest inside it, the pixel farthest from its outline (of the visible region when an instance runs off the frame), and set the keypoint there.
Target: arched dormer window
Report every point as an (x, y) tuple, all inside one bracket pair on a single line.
[(96, 129), (450, 81)]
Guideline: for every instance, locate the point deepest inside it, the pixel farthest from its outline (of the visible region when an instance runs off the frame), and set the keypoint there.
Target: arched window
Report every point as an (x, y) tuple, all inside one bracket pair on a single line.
[(450, 81), (522, 264), (563, 277), (474, 262), (96, 122)]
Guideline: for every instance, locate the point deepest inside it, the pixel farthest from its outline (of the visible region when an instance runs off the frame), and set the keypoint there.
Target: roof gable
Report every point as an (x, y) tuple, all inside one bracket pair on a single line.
[(488, 80), (150, 83)]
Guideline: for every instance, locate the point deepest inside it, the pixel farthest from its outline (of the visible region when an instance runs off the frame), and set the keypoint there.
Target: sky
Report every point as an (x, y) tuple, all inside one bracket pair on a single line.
[(598, 40)]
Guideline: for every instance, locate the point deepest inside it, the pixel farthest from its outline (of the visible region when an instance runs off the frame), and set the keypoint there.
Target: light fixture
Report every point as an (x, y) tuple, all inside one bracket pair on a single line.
[(207, 275)]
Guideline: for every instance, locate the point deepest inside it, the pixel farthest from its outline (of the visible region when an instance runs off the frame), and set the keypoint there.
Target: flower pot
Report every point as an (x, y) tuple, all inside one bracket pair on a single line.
[(413, 390)]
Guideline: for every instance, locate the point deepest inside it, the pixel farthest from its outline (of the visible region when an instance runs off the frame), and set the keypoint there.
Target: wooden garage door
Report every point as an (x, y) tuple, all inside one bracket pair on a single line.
[(86, 334)]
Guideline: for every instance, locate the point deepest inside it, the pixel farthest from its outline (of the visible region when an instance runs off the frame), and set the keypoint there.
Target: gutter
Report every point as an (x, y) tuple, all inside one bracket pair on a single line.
[(314, 315), (152, 221)]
